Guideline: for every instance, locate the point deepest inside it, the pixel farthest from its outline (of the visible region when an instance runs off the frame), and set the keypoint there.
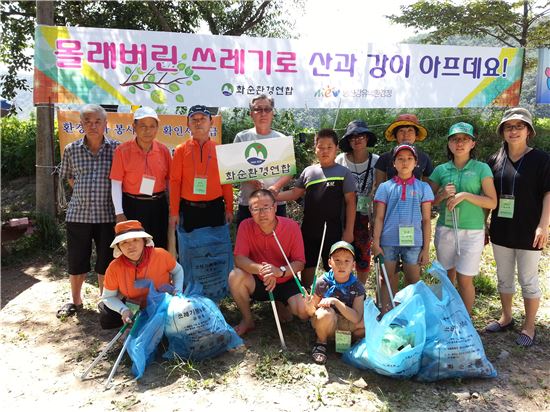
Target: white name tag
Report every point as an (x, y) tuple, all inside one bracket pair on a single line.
[(147, 185)]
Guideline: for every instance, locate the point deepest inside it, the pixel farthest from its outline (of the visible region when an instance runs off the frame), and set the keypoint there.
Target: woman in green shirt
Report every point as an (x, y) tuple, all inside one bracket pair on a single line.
[(463, 187)]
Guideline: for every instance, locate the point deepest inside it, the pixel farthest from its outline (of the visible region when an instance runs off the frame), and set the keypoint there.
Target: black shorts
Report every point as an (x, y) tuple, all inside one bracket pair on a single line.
[(79, 246), (281, 293), (108, 318), (313, 243)]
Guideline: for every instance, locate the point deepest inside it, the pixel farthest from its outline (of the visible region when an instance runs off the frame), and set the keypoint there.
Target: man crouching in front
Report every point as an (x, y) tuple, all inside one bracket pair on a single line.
[(260, 266)]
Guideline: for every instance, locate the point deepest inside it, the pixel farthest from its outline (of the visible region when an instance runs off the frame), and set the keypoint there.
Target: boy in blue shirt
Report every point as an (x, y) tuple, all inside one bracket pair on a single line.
[(337, 301), (402, 225), (329, 188)]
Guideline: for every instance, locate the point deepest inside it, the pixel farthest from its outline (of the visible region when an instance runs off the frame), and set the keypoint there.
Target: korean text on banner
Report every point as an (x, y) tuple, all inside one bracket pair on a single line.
[(112, 66), (172, 130), (239, 162)]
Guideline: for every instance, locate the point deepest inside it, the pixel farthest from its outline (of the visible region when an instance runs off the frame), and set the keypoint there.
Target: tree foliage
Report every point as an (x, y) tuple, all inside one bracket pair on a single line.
[(229, 17), (524, 23)]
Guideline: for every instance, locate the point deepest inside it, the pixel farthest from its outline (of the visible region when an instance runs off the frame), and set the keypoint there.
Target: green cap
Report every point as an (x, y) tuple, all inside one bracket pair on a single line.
[(461, 127), (342, 245)]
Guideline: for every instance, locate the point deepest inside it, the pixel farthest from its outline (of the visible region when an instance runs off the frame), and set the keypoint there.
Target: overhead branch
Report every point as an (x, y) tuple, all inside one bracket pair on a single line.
[(160, 17), (250, 22)]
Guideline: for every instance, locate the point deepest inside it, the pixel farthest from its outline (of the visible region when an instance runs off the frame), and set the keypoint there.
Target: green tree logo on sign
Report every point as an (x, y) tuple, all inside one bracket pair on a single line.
[(255, 154), (158, 83)]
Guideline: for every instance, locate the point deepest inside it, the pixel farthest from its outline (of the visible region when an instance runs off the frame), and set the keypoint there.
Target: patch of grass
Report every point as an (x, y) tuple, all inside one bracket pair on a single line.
[(485, 285), (193, 379), (280, 368), (125, 404)]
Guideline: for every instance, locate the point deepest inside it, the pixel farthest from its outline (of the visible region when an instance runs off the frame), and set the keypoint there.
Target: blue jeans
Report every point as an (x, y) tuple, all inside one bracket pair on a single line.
[(409, 254)]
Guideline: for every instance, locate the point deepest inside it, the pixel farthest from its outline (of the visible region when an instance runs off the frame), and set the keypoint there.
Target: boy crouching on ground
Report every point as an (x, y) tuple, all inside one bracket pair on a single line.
[(337, 301)]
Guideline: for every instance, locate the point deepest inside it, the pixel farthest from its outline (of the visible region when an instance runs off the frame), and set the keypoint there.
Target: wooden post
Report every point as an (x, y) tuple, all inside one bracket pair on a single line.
[(45, 187)]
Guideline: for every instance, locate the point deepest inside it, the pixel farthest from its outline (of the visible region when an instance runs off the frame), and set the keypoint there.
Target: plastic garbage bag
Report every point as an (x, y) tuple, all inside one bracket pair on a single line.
[(144, 339), (453, 347), (207, 258), (392, 346), (195, 327)]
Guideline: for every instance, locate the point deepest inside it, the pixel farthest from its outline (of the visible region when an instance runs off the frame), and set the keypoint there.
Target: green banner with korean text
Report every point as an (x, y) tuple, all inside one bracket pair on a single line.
[(256, 160)]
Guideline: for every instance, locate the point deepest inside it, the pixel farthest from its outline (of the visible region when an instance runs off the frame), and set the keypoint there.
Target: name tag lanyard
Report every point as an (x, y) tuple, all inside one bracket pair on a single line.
[(200, 181), (507, 202), (364, 202), (148, 180), (406, 231)]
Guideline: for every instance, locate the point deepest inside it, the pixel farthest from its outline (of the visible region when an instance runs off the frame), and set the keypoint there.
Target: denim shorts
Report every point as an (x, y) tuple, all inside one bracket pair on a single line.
[(409, 254)]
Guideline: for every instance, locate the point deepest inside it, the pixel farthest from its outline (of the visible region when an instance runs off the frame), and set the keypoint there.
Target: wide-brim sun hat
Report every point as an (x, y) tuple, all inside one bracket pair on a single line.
[(342, 245), (355, 128), (406, 119), (129, 229), (517, 113), (461, 127)]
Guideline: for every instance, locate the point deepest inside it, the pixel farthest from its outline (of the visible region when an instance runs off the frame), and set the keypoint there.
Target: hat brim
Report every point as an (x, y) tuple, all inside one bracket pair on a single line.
[(130, 235), (422, 132), (342, 248), (345, 145)]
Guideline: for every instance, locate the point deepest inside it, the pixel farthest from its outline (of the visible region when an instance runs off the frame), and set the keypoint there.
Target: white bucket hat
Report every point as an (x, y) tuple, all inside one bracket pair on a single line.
[(129, 229)]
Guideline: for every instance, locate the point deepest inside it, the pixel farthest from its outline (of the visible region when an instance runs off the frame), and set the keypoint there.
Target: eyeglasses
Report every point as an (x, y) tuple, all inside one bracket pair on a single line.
[(258, 110), (358, 137), (510, 127), (256, 210)]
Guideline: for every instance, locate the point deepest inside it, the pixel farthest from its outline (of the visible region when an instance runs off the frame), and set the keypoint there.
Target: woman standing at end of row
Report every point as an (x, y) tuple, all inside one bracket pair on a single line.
[(519, 223)]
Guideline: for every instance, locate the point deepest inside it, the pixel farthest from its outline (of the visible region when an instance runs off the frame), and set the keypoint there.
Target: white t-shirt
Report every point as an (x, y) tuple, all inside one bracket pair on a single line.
[(359, 171), (246, 188)]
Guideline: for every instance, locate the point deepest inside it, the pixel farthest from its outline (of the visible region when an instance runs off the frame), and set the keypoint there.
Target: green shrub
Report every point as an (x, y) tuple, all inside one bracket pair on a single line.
[(18, 147), (18, 140)]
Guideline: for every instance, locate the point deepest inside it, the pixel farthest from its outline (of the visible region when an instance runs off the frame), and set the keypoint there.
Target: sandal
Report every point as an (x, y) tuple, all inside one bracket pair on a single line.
[(525, 340), (319, 353), (68, 309), (495, 326)]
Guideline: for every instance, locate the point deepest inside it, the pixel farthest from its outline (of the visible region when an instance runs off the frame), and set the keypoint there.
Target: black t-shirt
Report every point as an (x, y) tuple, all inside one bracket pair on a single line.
[(532, 181), (423, 167)]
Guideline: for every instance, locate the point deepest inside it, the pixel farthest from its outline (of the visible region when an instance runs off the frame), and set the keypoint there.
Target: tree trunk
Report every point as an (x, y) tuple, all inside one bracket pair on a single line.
[(45, 187)]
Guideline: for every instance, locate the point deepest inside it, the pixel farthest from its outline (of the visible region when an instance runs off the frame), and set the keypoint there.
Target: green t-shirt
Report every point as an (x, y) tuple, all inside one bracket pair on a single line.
[(467, 179)]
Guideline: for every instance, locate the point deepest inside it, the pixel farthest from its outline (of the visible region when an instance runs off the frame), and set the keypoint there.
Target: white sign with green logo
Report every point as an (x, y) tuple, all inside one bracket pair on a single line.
[(255, 160)]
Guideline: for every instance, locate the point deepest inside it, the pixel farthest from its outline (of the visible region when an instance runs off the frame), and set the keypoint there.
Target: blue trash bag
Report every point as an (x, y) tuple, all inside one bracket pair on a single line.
[(195, 327), (453, 347), (392, 346), (145, 337), (207, 258)]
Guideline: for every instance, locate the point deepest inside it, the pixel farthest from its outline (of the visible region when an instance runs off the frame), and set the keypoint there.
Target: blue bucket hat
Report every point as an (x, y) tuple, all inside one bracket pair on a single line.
[(355, 128)]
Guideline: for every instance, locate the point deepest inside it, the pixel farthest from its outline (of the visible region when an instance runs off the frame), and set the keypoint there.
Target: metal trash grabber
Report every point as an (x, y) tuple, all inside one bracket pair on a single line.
[(378, 286), (455, 230), (121, 354), (290, 267), (274, 307), (380, 259), (109, 346), (319, 259)]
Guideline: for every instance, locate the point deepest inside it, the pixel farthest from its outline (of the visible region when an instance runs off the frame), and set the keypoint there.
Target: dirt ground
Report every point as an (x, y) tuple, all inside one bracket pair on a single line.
[(43, 357)]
